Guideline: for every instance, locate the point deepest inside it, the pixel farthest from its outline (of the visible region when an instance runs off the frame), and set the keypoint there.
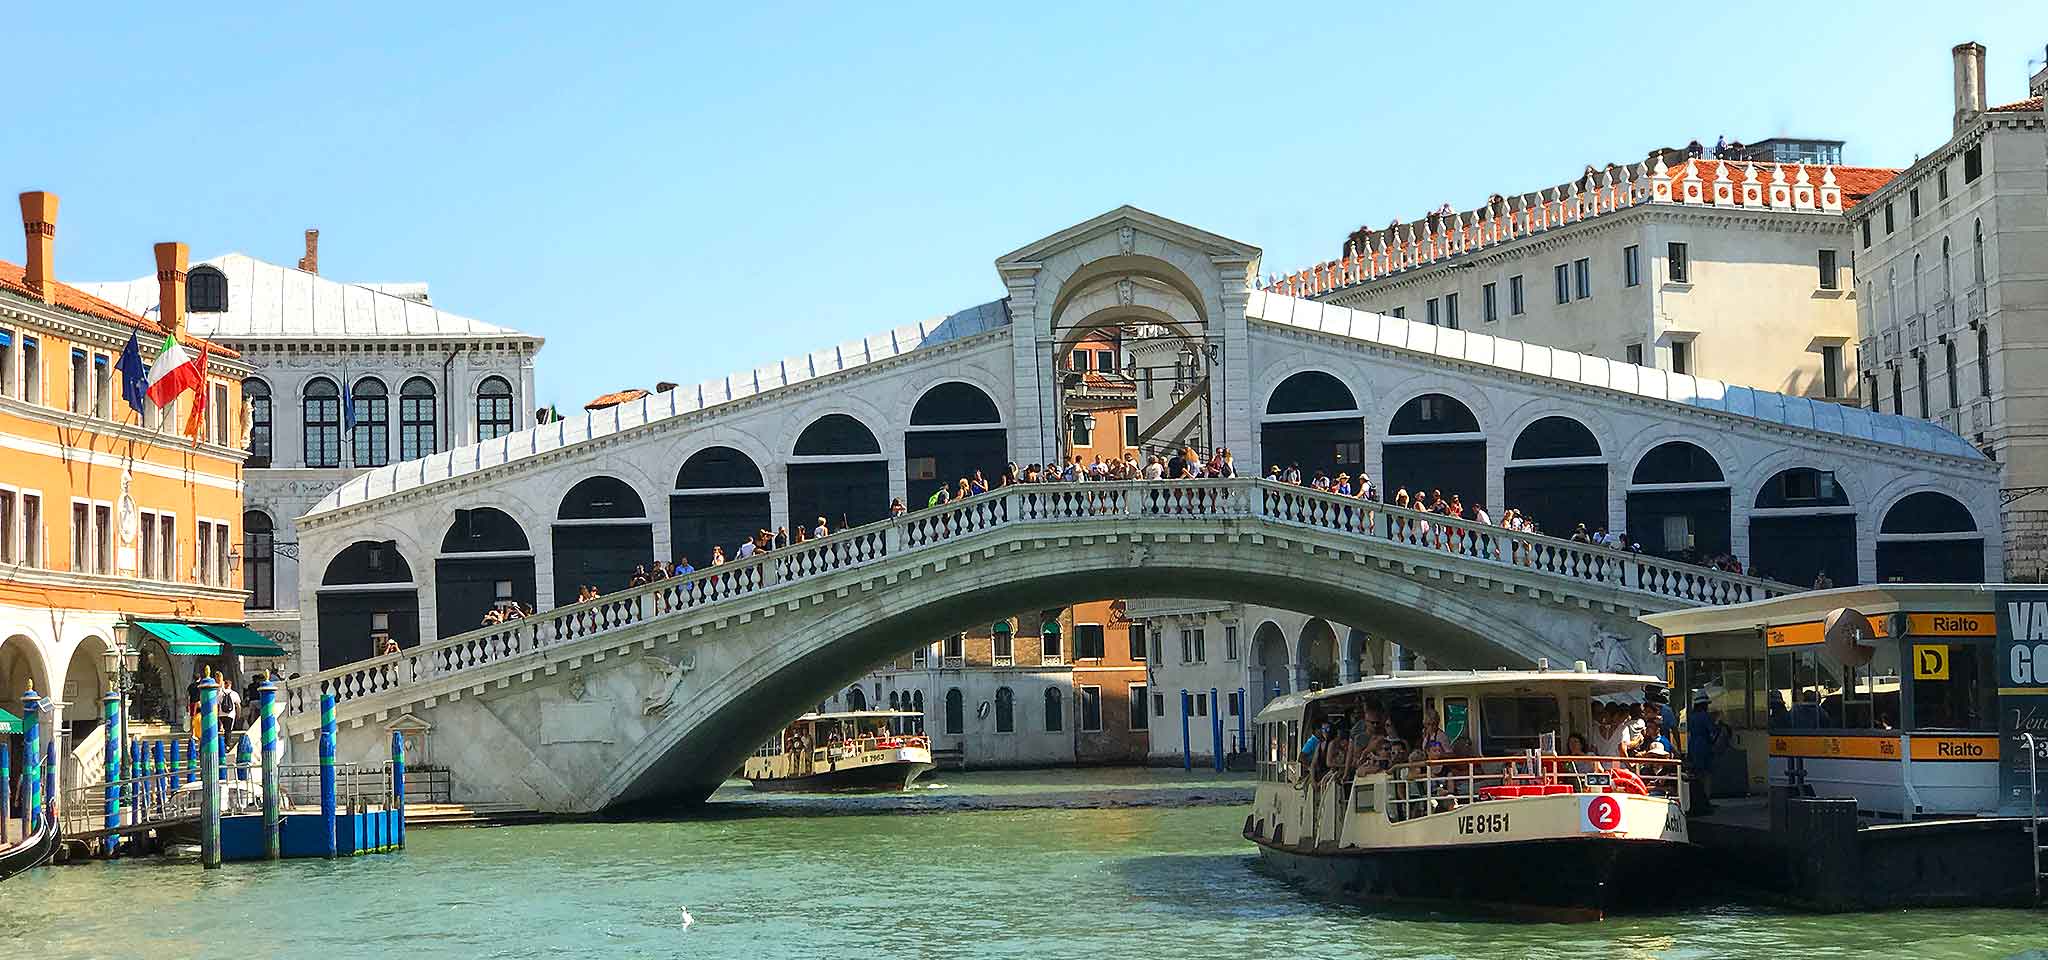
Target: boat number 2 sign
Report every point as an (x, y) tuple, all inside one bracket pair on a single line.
[(1601, 814)]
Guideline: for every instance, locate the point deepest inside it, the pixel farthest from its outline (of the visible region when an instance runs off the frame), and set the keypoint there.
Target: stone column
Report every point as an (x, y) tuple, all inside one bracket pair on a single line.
[(1232, 404), (1029, 426)]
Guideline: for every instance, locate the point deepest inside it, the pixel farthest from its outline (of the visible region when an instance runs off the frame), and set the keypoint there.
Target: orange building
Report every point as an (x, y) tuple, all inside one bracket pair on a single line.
[(113, 523)]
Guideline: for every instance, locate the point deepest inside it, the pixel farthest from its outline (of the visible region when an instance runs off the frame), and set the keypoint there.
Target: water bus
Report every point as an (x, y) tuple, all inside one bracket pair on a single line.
[(1501, 820), (854, 750)]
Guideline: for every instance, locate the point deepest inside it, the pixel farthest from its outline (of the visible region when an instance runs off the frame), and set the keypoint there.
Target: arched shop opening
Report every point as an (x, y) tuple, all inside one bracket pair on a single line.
[(1435, 444), (1557, 477), (1929, 537), (485, 563), (1269, 652), (719, 500), (601, 534), (1802, 526), (837, 472), (954, 431), (1317, 654), (1312, 420), (1678, 503), (367, 596)]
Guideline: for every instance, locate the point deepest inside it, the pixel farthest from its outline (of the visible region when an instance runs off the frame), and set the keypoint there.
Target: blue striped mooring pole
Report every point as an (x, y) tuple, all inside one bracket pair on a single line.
[(398, 788), (6, 793), (112, 726), (267, 697), (209, 773), (1216, 728), (32, 759), (1187, 756), (327, 772), (157, 784)]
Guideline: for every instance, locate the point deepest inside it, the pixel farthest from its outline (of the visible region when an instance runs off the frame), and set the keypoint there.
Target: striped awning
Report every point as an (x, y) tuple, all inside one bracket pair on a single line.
[(242, 640), (181, 638)]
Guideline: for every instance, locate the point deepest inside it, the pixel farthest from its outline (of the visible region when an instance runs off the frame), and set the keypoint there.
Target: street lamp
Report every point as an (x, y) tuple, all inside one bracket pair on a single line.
[(121, 662)]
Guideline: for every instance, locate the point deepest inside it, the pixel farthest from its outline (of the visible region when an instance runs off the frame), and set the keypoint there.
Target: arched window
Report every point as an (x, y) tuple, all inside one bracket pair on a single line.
[(836, 434), (322, 411), (917, 701), (372, 431), (1310, 391), (1891, 294), (1676, 461), (856, 699), (1055, 710), (259, 570), (601, 497), (895, 702), (1946, 286), (416, 432), (256, 394), (1917, 305), (1552, 438), (956, 712), (206, 290), (954, 403), (493, 409), (1006, 710), (1433, 413), (1977, 250)]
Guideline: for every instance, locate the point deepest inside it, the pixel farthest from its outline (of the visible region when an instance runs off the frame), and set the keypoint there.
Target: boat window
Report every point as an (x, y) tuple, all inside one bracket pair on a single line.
[(1457, 718), (1511, 724), (1727, 685), (1964, 701)]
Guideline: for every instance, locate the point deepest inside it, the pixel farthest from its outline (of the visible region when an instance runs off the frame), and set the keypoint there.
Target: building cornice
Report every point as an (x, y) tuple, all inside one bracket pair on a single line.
[(65, 419), (1962, 140), (112, 337), (127, 586)]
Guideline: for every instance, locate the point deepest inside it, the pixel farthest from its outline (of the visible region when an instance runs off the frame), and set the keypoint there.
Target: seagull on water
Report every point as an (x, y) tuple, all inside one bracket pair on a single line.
[(687, 919)]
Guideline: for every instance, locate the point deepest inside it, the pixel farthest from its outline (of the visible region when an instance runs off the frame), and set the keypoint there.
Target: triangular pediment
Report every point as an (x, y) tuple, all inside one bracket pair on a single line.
[(1127, 216)]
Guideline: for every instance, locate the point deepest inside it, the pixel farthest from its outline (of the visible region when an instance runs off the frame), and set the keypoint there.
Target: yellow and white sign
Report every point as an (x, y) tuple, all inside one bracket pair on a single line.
[(1930, 661)]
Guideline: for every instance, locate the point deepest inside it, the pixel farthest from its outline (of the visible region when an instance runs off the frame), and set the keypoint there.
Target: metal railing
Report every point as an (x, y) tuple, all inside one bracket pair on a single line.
[(1416, 790), (1228, 502)]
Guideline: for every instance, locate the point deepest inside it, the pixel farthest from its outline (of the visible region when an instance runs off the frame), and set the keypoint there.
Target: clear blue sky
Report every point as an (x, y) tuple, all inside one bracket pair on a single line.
[(673, 194)]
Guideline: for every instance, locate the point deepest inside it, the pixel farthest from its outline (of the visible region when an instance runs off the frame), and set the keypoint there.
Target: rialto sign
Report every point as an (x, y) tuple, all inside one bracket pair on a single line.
[(2022, 690)]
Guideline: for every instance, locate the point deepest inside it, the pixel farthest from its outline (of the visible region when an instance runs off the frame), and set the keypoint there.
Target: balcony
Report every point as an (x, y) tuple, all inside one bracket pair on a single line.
[(1890, 340), (1980, 416), (1914, 327), (1943, 320), (1975, 299)]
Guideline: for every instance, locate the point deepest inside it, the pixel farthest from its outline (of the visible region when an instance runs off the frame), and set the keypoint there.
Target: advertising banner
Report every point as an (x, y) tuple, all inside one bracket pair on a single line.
[(2022, 672)]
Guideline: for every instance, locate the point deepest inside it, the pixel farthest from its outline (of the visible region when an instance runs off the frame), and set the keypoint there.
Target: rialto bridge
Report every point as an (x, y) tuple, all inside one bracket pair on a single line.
[(657, 692)]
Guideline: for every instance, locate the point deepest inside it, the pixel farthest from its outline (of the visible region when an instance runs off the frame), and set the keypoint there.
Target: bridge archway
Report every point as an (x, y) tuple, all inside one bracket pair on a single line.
[(720, 499), (1929, 537), (1316, 655), (367, 596), (1269, 653), (21, 667), (955, 431), (485, 562), (1359, 662), (1678, 503), (1434, 443), (1803, 525), (837, 471), (1557, 475), (1313, 419), (601, 534)]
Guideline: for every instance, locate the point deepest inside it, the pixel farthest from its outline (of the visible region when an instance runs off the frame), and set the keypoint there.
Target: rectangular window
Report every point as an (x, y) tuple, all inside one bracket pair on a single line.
[(1516, 305), (31, 370), (1130, 430), (922, 468), (920, 656), (1675, 260), (1187, 645), (146, 563), (1236, 702), (1984, 360), (1830, 272), (1582, 278), (1430, 314), (1954, 391), (1201, 645), (102, 388), (1941, 182), (1681, 356), (1870, 388), (1631, 266), (1678, 533), (1489, 302), (1230, 642), (81, 388), (1451, 310), (1049, 648), (1079, 360), (31, 530), (952, 650), (1864, 226), (1898, 391), (1635, 354), (6, 363), (1913, 201), (1088, 641), (1888, 225), (1201, 704), (1831, 370), (1141, 719), (1159, 704), (1973, 163), (203, 542), (1105, 361), (1084, 430), (1091, 709), (1920, 372), (6, 526), (1136, 641), (1964, 701), (102, 539), (217, 414), (1002, 648), (1401, 313), (1562, 273), (81, 537)]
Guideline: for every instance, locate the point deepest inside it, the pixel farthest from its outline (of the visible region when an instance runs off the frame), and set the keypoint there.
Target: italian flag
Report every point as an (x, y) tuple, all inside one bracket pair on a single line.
[(173, 373)]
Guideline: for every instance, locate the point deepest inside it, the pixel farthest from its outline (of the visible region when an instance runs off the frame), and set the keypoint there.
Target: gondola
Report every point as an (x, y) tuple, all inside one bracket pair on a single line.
[(31, 852)]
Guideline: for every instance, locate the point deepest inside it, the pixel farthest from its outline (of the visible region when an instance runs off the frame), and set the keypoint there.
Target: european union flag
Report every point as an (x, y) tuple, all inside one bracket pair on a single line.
[(348, 410), (134, 375)]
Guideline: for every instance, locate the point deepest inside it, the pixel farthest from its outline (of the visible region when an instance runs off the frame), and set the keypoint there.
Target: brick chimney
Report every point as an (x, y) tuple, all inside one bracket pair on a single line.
[(311, 261), (171, 260), (1969, 59), (39, 228)]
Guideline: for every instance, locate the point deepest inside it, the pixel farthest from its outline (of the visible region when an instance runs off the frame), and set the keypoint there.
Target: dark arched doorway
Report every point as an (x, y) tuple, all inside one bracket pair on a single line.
[(1929, 537), (485, 562), (1557, 477), (1312, 420), (1316, 654), (954, 431), (1678, 503), (601, 534), (1434, 443), (1802, 526), (367, 596), (719, 500), (837, 472)]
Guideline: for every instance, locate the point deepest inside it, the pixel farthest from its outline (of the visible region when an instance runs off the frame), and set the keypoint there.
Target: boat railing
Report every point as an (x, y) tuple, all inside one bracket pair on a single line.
[(1415, 790)]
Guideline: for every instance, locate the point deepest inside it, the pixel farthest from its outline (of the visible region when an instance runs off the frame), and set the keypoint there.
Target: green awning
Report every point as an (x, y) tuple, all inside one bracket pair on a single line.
[(9, 723), (181, 638), (242, 640)]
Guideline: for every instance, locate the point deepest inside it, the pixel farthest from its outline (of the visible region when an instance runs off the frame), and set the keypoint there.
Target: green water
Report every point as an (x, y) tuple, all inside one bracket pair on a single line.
[(1054, 865)]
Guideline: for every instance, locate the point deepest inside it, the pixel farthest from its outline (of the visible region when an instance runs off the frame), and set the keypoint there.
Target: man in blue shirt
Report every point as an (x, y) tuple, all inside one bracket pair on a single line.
[(1699, 753)]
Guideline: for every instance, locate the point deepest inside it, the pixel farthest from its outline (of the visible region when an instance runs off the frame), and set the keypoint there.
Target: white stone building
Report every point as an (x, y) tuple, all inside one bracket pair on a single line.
[(419, 379), (1953, 260), (1738, 271)]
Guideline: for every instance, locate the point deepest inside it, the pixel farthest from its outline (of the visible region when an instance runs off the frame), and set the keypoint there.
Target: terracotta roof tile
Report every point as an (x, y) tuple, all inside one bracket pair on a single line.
[(2018, 106), (1856, 182), (14, 278)]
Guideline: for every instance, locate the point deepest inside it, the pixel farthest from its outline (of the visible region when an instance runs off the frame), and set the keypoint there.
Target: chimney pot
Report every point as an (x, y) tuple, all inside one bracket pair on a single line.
[(39, 228), (171, 260), (1969, 85), (311, 261)]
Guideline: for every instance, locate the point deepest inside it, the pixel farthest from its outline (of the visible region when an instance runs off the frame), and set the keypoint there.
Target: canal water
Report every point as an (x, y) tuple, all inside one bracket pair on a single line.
[(1051, 864)]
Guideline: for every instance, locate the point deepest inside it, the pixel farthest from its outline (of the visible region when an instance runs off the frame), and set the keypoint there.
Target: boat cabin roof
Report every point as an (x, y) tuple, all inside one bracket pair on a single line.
[(1595, 684), (858, 715)]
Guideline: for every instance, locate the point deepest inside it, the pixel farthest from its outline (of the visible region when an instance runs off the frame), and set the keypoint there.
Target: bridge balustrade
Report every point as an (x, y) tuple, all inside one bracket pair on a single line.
[(1410, 532)]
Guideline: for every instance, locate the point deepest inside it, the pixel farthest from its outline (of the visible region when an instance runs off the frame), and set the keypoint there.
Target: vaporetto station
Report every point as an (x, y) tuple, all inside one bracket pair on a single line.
[(656, 693)]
